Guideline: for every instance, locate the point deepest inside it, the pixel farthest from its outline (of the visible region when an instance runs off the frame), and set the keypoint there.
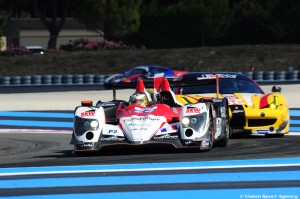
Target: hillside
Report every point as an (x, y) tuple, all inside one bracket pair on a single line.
[(226, 58)]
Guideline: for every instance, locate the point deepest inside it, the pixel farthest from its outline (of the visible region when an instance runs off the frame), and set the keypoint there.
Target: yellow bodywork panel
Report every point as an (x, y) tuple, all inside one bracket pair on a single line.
[(272, 118)]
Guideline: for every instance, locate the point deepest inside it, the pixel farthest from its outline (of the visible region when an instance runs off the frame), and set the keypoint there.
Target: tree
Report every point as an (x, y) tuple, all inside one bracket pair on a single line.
[(3, 18), (114, 17), (182, 23), (255, 21), (209, 19), (288, 15), (52, 13), (117, 17)]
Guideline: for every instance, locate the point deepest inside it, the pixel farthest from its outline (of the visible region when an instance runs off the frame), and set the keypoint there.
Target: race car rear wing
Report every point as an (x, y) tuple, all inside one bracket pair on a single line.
[(173, 83), (155, 84)]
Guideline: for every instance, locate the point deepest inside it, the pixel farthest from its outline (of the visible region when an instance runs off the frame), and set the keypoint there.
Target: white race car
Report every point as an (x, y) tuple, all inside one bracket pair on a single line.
[(163, 120)]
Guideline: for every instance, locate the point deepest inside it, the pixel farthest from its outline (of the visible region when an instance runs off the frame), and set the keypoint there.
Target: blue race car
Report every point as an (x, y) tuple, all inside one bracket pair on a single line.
[(143, 72)]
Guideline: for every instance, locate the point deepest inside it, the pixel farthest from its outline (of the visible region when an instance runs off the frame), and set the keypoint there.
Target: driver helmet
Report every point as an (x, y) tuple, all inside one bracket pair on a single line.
[(139, 99)]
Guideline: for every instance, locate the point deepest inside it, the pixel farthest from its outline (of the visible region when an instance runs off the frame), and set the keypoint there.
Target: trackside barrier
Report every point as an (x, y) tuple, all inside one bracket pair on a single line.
[(292, 76), (79, 79), (52, 79)]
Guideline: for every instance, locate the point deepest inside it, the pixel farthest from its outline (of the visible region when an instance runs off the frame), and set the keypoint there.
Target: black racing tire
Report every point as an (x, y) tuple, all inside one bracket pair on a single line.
[(227, 132), (210, 134)]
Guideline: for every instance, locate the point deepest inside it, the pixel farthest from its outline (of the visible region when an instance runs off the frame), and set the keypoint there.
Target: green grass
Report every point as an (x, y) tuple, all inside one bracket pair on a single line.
[(226, 58)]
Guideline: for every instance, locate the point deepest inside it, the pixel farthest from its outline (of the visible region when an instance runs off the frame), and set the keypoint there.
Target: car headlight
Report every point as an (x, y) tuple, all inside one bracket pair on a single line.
[(86, 123), (269, 101), (194, 120), (185, 121), (94, 124), (189, 120), (274, 104), (83, 125)]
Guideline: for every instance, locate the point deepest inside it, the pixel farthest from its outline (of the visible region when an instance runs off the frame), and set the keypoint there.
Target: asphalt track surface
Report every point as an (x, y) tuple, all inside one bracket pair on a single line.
[(33, 150), (37, 149)]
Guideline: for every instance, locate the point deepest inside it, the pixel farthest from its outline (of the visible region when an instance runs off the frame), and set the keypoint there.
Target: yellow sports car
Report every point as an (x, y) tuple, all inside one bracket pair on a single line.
[(251, 109)]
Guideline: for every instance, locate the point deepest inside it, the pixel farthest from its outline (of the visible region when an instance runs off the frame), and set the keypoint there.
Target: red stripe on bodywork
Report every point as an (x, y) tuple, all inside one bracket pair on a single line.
[(264, 101), (162, 124)]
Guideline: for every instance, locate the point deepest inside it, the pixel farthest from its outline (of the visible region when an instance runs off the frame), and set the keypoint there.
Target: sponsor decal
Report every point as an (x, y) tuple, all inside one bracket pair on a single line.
[(112, 139), (175, 110), (238, 111), (213, 76), (166, 137), (144, 124), (223, 112), (193, 110), (140, 119), (112, 131), (163, 130), (145, 110), (86, 145), (107, 104), (237, 130), (88, 113), (262, 131), (174, 127), (233, 100), (140, 124), (217, 100), (236, 102)]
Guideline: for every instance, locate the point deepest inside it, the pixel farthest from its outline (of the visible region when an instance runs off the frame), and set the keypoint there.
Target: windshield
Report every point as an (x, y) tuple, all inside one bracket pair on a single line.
[(226, 86), (136, 71)]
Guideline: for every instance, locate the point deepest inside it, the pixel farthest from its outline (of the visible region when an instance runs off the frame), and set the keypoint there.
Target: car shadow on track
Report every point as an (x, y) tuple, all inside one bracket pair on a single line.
[(138, 150), (126, 150), (255, 136)]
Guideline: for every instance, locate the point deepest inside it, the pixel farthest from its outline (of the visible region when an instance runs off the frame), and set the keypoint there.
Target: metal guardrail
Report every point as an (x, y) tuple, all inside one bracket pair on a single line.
[(263, 77)]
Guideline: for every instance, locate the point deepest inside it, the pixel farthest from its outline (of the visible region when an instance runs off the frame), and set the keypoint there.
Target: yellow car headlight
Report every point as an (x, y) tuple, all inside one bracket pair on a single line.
[(269, 101), (274, 104)]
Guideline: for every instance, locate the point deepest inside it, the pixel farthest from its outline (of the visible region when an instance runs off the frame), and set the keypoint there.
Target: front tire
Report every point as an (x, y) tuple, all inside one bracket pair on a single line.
[(207, 145), (227, 131)]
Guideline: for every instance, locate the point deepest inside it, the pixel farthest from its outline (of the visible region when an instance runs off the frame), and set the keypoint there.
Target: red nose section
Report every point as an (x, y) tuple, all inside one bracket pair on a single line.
[(140, 86)]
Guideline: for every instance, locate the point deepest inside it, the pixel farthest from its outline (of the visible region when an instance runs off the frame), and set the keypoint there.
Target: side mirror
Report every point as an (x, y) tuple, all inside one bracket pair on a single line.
[(276, 89)]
